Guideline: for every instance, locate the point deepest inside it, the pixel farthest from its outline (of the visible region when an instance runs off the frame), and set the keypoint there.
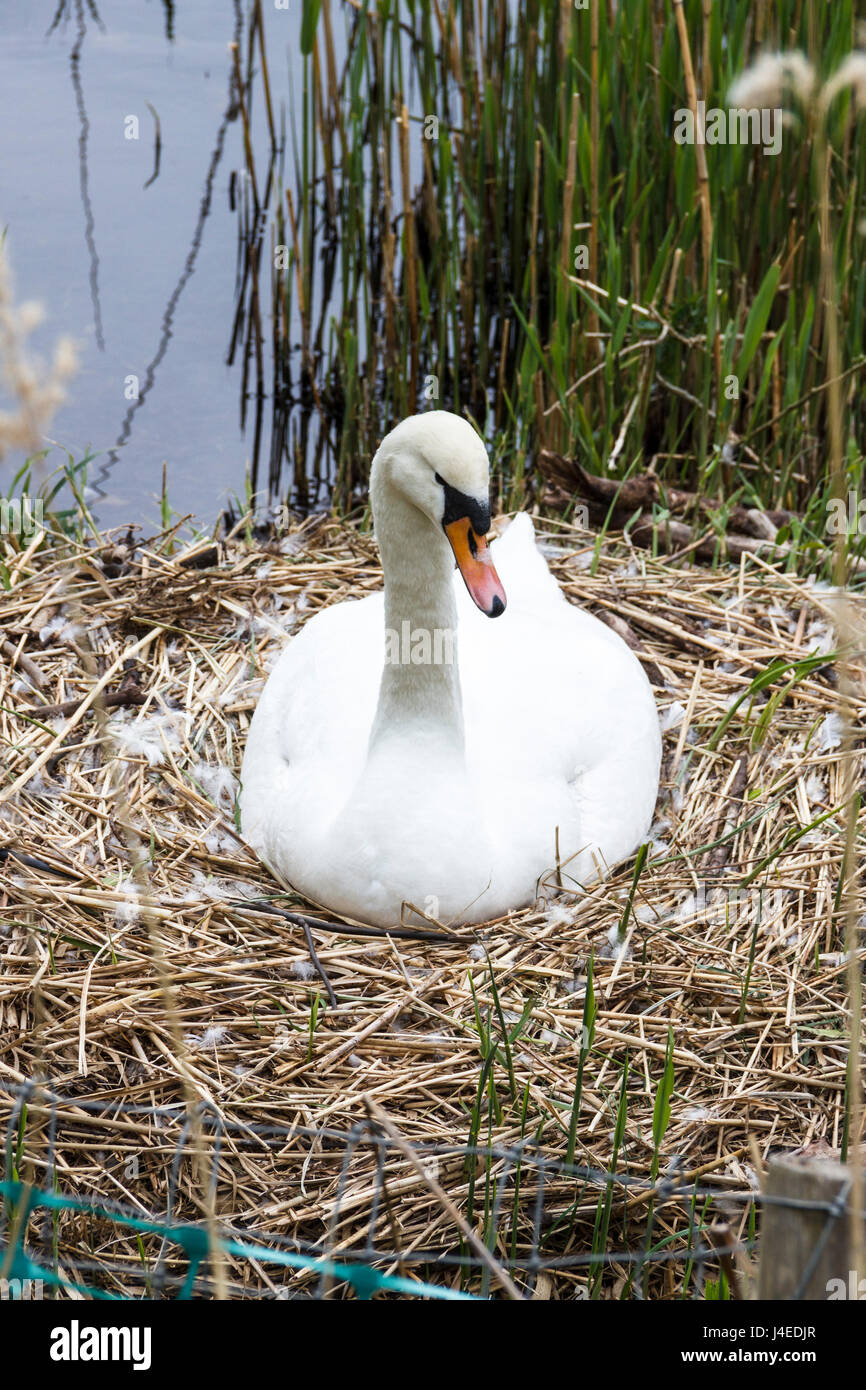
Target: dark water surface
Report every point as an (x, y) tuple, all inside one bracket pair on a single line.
[(140, 271)]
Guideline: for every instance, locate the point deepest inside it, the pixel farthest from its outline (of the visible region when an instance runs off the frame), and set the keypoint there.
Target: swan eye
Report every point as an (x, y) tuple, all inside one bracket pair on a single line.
[(460, 506)]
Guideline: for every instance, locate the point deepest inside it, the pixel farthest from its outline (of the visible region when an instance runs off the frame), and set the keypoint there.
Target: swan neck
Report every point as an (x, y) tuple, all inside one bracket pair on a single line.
[(420, 686)]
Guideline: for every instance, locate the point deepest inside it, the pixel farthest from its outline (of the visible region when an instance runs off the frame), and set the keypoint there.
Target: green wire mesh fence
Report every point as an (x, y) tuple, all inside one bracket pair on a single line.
[(345, 1213)]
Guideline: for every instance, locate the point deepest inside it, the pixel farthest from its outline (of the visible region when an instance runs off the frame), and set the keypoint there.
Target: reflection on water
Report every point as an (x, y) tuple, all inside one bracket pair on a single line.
[(114, 193), (75, 66), (188, 268)]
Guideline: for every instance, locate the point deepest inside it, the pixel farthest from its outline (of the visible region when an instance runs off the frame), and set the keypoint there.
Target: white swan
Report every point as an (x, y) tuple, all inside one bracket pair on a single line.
[(368, 787)]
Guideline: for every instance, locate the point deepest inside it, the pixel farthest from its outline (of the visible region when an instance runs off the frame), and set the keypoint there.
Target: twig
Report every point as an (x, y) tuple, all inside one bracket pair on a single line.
[(317, 963), (115, 699), (348, 928)]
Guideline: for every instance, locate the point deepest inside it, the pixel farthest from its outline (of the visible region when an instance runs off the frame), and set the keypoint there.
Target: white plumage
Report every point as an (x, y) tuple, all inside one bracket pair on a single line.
[(459, 799)]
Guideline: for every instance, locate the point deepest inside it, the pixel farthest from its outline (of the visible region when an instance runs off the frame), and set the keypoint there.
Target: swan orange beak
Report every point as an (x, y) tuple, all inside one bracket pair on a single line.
[(475, 563)]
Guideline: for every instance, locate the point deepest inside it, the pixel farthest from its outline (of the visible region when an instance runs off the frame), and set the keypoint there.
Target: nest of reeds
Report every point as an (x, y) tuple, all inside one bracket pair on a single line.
[(150, 962)]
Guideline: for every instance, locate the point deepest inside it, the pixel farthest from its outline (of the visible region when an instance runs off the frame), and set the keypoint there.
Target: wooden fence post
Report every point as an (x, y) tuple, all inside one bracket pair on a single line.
[(799, 1252)]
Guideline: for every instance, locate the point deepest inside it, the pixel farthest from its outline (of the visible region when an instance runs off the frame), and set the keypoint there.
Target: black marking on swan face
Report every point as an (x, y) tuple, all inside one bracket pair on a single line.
[(459, 505)]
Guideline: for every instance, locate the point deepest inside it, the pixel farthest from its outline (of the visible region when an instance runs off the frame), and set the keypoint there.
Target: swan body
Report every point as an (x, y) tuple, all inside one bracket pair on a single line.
[(448, 786)]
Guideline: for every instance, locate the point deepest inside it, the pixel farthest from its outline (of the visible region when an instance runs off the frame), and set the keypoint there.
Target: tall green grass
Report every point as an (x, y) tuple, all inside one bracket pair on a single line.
[(457, 178)]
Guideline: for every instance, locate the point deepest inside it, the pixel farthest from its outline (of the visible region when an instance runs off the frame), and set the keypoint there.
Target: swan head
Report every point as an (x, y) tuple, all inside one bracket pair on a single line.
[(438, 463)]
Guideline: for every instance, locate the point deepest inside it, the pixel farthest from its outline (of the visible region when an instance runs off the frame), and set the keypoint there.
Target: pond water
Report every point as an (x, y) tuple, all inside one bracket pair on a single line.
[(141, 271)]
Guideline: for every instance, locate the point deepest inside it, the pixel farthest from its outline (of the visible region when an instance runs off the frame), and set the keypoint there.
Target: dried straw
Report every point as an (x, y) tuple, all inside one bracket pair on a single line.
[(754, 989)]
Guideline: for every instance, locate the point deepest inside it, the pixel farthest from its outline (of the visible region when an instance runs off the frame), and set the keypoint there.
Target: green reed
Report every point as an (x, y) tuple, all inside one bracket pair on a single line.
[(483, 207)]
